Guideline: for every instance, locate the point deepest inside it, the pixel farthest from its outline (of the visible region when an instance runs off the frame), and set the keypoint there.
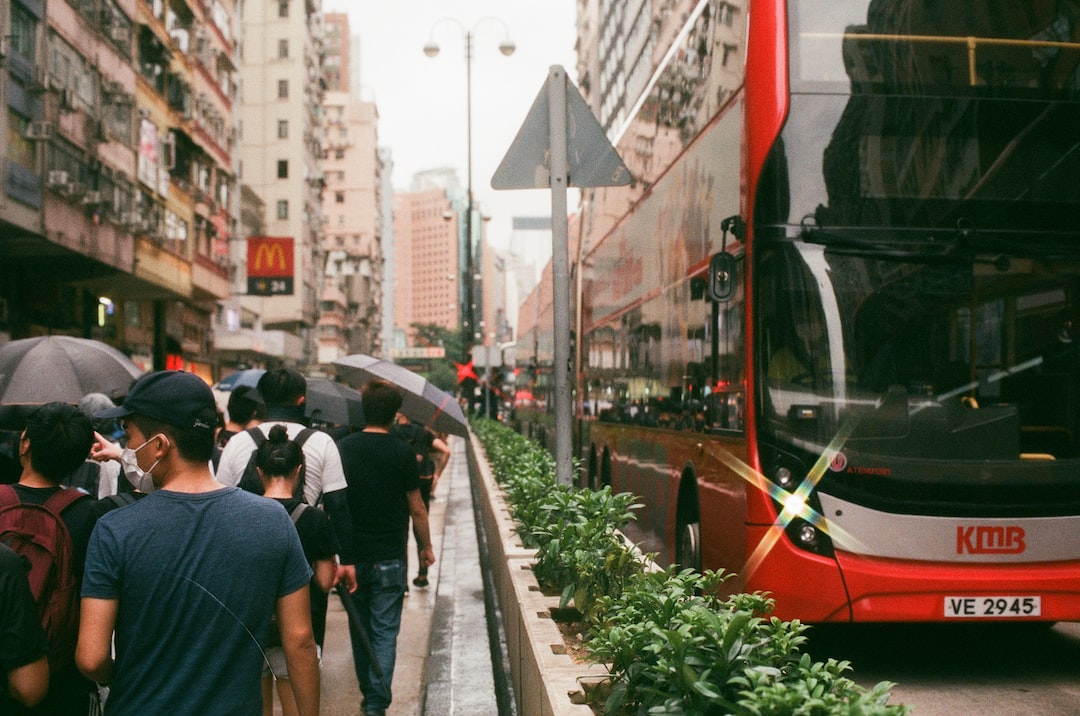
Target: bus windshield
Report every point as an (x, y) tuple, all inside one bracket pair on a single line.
[(942, 355), (917, 253)]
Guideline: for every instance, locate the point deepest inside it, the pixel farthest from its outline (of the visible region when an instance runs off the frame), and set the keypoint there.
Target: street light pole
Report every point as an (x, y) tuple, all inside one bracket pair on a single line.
[(469, 318), (431, 49)]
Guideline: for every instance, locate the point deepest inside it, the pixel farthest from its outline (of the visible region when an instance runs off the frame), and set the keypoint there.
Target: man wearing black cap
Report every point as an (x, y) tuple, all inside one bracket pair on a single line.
[(188, 577)]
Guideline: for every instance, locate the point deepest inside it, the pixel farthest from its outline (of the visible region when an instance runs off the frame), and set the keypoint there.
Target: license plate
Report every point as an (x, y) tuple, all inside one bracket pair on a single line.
[(992, 607)]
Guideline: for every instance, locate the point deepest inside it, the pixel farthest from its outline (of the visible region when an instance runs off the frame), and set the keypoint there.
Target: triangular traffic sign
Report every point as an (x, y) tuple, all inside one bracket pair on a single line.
[(591, 159)]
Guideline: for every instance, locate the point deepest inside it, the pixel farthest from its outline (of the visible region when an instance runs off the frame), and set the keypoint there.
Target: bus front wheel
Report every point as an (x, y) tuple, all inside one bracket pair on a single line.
[(688, 545)]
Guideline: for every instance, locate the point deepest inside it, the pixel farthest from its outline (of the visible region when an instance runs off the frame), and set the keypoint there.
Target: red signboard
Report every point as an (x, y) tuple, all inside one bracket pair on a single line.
[(270, 265)]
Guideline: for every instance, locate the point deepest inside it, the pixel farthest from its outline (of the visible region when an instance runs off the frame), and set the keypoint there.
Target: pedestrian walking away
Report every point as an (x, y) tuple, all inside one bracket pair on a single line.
[(384, 493), (279, 461), (432, 454), (323, 480), (23, 649), (185, 581), (50, 526)]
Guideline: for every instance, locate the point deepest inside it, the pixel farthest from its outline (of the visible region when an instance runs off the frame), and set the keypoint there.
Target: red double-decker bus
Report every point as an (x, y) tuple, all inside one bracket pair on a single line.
[(869, 405)]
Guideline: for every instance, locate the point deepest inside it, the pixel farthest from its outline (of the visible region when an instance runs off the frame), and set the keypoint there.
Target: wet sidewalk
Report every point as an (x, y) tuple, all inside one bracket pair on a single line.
[(444, 658)]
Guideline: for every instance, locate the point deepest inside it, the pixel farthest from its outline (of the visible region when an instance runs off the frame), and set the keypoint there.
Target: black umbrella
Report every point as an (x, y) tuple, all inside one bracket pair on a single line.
[(361, 631), (35, 371), (422, 401), (333, 402)]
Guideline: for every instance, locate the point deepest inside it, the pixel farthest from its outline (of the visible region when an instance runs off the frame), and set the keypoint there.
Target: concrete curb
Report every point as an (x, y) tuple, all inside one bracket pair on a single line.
[(544, 678)]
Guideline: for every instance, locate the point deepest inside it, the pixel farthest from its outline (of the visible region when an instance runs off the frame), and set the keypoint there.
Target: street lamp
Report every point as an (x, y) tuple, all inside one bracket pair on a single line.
[(431, 49)]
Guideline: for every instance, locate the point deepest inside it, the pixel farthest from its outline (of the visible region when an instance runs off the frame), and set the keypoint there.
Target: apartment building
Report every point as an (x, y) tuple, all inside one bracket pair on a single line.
[(115, 212)]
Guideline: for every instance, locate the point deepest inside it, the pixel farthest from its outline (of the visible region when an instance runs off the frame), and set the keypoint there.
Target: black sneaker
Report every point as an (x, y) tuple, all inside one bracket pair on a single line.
[(420, 580)]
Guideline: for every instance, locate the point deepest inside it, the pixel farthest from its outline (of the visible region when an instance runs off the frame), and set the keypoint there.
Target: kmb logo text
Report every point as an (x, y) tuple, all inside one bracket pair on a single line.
[(988, 539)]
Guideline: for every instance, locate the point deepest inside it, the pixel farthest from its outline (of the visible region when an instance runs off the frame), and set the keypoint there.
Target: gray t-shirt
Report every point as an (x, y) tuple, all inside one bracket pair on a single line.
[(196, 577)]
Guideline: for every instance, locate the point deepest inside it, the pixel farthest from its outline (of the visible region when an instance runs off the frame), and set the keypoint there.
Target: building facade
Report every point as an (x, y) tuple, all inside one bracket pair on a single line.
[(117, 172), (427, 279), (281, 133), (350, 319)]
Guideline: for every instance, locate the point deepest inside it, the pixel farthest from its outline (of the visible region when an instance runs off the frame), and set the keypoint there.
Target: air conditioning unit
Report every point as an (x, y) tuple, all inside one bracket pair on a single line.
[(40, 81), (92, 198), (119, 33), (39, 131), (112, 88), (57, 178), (67, 98)]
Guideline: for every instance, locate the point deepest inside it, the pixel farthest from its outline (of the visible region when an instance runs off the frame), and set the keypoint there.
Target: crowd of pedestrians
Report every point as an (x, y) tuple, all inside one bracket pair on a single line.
[(158, 557)]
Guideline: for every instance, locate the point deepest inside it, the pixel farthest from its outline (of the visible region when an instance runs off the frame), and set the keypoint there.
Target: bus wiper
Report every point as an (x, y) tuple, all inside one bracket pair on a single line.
[(926, 247)]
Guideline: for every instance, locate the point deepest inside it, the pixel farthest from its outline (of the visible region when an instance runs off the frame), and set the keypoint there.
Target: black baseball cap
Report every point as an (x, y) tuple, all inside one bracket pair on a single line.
[(174, 397)]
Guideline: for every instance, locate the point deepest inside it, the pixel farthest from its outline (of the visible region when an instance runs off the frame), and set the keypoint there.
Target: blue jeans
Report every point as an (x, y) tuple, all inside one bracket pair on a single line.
[(378, 601)]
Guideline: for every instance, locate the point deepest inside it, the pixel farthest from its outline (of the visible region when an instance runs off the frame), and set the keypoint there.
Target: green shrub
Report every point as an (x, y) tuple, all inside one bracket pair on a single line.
[(672, 643)]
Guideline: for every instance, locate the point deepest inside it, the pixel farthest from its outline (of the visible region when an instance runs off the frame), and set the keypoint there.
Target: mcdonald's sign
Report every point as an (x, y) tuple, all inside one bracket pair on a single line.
[(270, 265)]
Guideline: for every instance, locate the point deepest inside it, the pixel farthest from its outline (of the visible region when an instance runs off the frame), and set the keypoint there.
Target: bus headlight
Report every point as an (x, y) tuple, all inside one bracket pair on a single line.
[(785, 478)]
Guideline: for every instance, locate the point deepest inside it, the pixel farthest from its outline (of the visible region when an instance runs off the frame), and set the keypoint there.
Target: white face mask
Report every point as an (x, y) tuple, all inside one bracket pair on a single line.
[(143, 480)]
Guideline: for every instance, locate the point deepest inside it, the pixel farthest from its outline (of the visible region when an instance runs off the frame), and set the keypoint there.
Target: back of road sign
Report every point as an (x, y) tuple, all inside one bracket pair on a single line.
[(591, 159)]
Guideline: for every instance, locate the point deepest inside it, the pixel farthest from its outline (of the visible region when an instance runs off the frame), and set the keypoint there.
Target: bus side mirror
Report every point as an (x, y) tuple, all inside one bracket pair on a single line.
[(722, 277)]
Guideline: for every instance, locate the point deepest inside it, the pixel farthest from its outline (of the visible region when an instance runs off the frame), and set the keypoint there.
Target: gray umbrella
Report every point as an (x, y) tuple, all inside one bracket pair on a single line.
[(333, 402), (35, 371), (422, 401)]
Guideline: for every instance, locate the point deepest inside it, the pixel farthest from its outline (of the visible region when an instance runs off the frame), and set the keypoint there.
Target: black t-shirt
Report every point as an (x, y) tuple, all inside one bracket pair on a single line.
[(319, 541), (316, 535), (421, 439), (22, 640), (79, 517), (380, 470)]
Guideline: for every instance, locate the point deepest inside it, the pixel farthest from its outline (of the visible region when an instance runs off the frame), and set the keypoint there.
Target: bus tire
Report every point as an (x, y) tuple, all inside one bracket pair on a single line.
[(688, 545)]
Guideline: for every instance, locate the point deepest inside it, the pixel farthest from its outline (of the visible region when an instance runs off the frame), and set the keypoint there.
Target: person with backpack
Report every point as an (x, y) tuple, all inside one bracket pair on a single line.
[(425, 443), (279, 461), (246, 409), (322, 481), (23, 650), (186, 580), (50, 526)]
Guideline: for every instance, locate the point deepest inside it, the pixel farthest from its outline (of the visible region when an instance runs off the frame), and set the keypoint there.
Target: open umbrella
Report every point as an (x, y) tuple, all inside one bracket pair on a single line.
[(333, 402), (247, 376), (35, 371), (422, 401)]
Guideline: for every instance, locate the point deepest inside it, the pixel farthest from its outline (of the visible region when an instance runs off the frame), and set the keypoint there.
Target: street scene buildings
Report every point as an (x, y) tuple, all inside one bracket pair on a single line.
[(201, 185)]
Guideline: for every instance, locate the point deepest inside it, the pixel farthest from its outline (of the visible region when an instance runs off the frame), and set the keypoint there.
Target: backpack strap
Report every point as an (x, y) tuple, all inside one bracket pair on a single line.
[(57, 502), (303, 435), (8, 496), (257, 436), (62, 499), (297, 512), (122, 499)]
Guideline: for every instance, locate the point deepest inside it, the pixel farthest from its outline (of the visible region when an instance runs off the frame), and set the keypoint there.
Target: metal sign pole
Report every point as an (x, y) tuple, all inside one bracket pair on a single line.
[(560, 265)]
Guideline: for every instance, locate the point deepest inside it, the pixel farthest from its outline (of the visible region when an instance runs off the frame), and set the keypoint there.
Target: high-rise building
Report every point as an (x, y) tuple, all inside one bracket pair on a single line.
[(427, 279), (282, 134), (350, 320)]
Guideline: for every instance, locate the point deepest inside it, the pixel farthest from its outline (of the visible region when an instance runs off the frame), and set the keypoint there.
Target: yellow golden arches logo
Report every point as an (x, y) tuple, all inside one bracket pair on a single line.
[(265, 256)]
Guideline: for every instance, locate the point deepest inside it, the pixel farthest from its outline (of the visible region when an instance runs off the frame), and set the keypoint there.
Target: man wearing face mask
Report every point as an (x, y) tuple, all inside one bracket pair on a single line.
[(186, 579)]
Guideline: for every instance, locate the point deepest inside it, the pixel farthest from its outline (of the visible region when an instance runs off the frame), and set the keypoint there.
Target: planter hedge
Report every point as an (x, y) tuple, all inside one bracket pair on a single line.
[(670, 644)]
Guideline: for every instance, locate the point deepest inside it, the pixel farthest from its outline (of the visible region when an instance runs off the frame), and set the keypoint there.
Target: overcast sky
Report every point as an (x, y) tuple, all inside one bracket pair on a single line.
[(422, 100)]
